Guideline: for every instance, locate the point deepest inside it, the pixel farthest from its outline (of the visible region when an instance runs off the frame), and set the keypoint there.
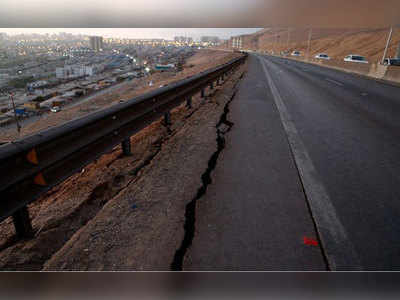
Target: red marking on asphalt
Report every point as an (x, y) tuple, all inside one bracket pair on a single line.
[(310, 241)]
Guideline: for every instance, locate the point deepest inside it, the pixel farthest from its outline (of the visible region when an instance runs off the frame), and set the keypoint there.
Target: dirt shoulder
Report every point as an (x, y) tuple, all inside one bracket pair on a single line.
[(124, 213)]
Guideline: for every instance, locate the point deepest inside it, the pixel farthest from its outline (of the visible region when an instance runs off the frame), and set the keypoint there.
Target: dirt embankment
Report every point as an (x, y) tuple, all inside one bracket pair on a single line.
[(201, 61), (125, 213), (337, 43)]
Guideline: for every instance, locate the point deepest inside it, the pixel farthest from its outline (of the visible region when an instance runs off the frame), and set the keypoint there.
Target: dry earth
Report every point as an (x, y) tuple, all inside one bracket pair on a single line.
[(337, 43), (126, 213)]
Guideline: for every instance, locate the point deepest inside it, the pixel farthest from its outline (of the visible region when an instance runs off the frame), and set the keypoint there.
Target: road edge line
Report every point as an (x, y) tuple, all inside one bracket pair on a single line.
[(339, 250)]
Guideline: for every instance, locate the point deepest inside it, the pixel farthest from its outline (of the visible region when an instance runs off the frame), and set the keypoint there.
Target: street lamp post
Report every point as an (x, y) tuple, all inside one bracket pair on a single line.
[(15, 113), (277, 43), (309, 44), (387, 44)]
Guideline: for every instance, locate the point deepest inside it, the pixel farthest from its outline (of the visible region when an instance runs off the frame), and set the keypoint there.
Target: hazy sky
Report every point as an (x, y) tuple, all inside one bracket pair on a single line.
[(198, 13), (167, 33)]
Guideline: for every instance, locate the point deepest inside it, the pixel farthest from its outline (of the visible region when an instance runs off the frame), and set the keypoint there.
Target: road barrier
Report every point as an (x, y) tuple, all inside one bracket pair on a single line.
[(392, 73), (33, 165)]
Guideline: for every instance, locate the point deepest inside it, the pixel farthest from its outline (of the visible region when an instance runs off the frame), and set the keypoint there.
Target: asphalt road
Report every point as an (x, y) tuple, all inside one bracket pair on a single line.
[(254, 215), (298, 125)]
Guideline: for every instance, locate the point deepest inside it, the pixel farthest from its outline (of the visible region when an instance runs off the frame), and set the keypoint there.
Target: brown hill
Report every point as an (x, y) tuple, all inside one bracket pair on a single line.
[(337, 43)]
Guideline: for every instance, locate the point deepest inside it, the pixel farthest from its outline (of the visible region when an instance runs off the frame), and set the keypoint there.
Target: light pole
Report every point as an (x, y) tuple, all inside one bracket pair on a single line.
[(309, 44), (277, 42), (387, 44), (15, 113)]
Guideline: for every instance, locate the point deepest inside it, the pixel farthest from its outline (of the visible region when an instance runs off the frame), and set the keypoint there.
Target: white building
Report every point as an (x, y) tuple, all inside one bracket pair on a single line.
[(237, 42), (37, 84), (76, 71)]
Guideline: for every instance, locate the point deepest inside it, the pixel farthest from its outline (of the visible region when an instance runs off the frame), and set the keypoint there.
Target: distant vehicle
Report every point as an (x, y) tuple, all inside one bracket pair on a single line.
[(355, 58), (391, 62), (55, 109), (296, 53), (322, 56), (20, 111)]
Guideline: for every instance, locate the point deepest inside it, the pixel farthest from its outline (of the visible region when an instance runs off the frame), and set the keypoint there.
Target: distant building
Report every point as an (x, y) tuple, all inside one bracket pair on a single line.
[(76, 71), (96, 43), (164, 67), (183, 40), (210, 40), (237, 42), (37, 84)]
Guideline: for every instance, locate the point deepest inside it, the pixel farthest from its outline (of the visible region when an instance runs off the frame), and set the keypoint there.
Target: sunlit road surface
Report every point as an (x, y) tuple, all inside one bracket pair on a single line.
[(331, 164)]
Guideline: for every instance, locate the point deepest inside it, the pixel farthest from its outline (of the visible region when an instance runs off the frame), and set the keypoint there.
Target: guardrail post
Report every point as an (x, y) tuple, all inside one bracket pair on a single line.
[(189, 102), (126, 146), (202, 94), (22, 223), (167, 118)]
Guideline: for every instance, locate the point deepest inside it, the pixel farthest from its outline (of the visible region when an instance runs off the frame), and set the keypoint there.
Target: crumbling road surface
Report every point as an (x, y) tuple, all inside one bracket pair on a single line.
[(255, 215), (142, 227), (128, 213)]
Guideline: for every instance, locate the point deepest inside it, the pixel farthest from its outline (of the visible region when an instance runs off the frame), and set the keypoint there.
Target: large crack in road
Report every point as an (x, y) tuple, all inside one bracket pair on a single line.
[(223, 127)]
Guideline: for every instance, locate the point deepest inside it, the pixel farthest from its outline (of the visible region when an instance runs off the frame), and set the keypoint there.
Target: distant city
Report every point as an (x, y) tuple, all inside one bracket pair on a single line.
[(39, 70)]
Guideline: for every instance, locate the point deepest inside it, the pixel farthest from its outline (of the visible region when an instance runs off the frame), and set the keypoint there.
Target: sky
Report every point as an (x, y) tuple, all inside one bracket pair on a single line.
[(166, 33), (199, 13)]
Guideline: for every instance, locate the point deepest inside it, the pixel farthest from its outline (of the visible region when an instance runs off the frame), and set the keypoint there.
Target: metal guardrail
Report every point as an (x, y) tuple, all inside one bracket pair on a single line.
[(33, 165)]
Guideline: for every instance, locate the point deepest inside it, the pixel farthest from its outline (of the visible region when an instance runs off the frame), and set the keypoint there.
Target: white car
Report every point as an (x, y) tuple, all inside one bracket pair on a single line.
[(322, 56), (296, 53), (355, 58), (55, 109)]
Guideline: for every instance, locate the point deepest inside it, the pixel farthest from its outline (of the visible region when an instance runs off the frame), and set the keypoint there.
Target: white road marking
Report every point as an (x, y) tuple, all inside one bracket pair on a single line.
[(339, 250), (334, 81)]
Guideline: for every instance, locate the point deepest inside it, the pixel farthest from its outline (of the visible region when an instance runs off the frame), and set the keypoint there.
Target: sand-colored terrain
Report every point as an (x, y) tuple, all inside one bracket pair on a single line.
[(337, 43)]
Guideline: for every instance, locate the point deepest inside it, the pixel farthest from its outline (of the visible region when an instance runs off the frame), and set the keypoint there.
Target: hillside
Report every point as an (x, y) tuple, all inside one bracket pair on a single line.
[(337, 43)]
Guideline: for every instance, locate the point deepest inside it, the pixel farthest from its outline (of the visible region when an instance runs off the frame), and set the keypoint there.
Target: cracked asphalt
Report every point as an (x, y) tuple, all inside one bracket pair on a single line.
[(309, 176), (254, 215)]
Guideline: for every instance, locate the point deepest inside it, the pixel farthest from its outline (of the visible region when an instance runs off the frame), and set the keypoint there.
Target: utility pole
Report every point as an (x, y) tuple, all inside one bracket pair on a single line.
[(387, 44), (15, 113), (288, 38), (309, 44)]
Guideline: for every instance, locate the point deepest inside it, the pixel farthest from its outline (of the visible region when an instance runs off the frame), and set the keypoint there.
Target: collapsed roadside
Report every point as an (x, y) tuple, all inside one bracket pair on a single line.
[(125, 212)]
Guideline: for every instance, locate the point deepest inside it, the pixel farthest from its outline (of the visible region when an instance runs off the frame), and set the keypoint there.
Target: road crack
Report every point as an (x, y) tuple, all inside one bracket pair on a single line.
[(223, 126)]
